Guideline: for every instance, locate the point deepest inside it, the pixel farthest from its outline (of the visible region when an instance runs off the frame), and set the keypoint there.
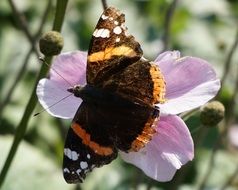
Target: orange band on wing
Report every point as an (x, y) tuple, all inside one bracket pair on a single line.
[(111, 51), (146, 135), (159, 84), (101, 150)]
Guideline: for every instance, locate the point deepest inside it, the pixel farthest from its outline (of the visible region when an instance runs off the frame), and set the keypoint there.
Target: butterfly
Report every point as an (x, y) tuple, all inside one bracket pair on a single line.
[(118, 111)]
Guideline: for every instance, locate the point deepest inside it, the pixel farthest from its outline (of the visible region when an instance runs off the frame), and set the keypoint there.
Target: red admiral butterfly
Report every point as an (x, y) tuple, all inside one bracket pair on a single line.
[(117, 112)]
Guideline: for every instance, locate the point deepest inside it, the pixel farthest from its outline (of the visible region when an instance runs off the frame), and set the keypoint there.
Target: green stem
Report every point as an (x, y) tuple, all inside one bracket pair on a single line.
[(21, 129), (167, 24), (59, 15)]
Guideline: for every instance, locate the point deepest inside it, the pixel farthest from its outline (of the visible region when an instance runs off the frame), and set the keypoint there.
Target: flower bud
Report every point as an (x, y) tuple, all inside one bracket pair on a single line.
[(51, 43), (212, 113)]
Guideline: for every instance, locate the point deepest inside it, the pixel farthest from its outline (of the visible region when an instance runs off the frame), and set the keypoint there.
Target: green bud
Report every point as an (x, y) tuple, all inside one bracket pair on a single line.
[(51, 43), (212, 113)]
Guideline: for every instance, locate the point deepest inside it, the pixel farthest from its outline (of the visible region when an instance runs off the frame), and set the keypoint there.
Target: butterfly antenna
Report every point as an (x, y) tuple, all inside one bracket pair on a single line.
[(43, 110), (44, 61)]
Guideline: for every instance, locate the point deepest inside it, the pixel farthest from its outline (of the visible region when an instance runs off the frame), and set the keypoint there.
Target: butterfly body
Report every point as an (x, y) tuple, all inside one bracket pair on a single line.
[(118, 111), (99, 96)]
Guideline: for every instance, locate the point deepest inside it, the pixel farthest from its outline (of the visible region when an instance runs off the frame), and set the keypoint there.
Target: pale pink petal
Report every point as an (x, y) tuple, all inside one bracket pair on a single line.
[(195, 98), (55, 98), (169, 149), (69, 68), (168, 56), (190, 82)]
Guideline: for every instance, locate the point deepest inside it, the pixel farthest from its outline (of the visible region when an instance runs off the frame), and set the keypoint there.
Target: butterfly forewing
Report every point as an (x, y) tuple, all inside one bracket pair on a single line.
[(111, 48)]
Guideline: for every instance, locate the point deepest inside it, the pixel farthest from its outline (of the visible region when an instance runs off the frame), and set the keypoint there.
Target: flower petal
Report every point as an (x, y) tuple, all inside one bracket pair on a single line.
[(70, 67), (169, 149), (55, 98), (190, 82), (168, 56)]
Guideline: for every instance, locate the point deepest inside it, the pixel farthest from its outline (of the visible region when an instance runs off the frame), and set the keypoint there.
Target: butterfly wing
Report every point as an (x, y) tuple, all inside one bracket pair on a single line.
[(111, 48), (87, 146), (129, 125), (140, 82)]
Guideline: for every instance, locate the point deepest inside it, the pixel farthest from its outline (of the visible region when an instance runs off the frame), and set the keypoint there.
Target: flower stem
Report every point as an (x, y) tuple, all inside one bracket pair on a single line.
[(211, 164), (228, 61), (59, 15), (21, 129), (167, 24)]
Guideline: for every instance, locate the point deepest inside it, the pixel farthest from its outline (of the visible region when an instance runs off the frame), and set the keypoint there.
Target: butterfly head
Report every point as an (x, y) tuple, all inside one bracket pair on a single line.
[(76, 90)]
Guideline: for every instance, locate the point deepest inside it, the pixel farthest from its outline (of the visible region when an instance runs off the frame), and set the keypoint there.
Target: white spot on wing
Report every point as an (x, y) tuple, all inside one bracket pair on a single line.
[(67, 152), (117, 30), (66, 170), (126, 33), (72, 155), (86, 171), (105, 33), (116, 22), (88, 156), (102, 32), (75, 155), (95, 32), (78, 171), (110, 18), (123, 26), (104, 17), (118, 39), (83, 165)]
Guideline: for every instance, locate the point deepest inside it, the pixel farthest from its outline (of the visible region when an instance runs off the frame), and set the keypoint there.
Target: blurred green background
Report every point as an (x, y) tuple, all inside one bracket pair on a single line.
[(203, 28)]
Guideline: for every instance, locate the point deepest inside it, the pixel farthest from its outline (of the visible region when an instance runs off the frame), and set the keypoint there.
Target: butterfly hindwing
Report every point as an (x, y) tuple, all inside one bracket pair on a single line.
[(140, 82), (129, 125), (82, 153), (111, 48)]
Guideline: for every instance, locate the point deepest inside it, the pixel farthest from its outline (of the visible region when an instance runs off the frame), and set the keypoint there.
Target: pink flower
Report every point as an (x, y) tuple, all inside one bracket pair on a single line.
[(190, 82)]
